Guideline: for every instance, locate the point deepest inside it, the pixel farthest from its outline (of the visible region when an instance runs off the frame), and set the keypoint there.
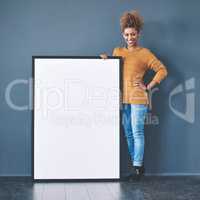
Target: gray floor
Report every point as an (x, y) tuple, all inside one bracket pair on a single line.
[(154, 188)]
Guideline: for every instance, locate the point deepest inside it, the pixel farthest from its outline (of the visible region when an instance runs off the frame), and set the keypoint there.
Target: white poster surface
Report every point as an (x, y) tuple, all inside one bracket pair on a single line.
[(76, 121)]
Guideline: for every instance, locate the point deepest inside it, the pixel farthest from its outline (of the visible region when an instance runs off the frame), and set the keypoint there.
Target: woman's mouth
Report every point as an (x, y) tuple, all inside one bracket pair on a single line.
[(131, 41)]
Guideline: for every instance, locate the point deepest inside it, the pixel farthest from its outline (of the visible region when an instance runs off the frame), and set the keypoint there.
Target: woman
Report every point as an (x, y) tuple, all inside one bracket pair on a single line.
[(136, 61)]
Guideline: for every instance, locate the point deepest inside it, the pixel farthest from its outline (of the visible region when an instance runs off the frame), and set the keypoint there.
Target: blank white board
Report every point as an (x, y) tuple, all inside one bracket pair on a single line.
[(76, 120)]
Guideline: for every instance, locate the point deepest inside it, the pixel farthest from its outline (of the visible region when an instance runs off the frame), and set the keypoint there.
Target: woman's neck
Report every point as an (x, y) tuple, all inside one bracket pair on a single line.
[(132, 48)]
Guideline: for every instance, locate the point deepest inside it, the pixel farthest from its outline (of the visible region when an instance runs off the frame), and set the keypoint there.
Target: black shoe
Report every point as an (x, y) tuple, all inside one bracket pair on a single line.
[(137, 173)]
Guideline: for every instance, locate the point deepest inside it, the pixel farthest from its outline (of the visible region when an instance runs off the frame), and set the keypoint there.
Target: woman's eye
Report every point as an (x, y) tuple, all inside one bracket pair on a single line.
[(130, 35)]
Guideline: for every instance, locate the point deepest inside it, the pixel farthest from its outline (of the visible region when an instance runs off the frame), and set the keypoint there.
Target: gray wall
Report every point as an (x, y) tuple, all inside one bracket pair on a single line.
[(66, 27)]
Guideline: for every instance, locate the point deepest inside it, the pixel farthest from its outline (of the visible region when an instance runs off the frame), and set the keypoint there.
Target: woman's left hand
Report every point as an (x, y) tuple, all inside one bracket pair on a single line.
[(140, 84)]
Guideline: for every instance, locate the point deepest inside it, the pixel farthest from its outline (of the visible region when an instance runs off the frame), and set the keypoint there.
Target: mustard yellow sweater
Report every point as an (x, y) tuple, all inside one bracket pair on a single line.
[(135, 64)]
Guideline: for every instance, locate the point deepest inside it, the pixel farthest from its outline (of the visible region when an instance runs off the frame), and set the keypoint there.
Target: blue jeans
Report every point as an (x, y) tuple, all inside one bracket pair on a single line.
[(133, 118)]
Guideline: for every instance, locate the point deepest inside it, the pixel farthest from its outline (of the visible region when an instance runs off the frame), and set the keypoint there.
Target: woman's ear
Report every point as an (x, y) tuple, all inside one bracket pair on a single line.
[(123, 35), (139, 33)]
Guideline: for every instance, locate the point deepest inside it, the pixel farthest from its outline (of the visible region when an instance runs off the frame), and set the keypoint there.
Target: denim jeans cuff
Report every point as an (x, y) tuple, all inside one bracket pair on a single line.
[(137, 163)]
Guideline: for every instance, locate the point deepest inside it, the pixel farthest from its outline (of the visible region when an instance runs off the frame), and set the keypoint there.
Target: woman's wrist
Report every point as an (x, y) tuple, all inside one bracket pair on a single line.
[(151, 85)]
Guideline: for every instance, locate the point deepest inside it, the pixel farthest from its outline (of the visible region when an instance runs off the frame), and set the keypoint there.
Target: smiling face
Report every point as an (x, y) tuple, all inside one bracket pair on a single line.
[(131, 36)]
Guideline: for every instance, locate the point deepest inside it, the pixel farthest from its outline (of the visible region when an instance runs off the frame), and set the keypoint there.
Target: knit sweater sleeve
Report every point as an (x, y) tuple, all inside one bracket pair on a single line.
[(115, 52), (157, 66)]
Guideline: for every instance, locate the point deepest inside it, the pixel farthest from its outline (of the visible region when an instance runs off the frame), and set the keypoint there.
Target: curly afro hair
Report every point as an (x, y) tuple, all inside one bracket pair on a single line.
[(131, 19)]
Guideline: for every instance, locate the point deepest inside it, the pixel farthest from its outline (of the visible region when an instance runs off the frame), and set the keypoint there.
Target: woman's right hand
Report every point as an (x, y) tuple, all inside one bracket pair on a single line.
[(104, 55)]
